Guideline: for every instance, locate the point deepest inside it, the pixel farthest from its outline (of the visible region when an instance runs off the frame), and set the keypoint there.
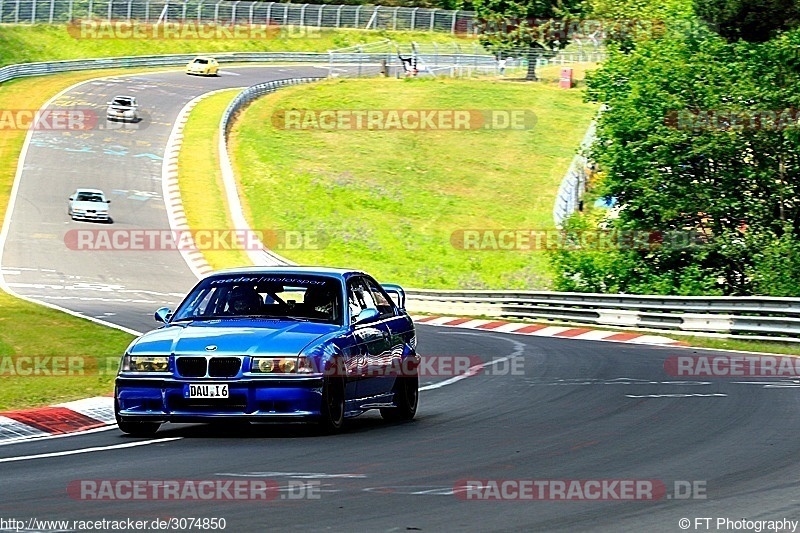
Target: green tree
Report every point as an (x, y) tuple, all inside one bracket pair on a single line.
[(536, 27), (751, 20), (699, 136)]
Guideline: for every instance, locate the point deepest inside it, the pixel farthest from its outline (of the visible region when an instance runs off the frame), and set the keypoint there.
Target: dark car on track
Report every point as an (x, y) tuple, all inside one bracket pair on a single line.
[(273, 344)]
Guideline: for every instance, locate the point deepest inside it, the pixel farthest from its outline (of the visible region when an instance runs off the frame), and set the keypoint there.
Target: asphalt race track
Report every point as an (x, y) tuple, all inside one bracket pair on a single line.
[(571, 410)]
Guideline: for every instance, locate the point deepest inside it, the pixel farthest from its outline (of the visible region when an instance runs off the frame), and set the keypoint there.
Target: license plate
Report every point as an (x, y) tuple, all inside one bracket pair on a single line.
[(208, 390)]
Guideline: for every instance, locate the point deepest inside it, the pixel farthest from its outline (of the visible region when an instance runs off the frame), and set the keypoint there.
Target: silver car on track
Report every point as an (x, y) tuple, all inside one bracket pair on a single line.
[(89, 204)]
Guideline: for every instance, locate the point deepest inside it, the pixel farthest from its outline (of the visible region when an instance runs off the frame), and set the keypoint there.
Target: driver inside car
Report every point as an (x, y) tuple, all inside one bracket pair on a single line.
[(243, 300)]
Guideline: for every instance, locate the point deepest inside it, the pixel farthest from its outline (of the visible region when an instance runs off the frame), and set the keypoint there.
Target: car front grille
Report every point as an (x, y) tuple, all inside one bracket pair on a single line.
[(224, 367), (192, 367), (215, 367)]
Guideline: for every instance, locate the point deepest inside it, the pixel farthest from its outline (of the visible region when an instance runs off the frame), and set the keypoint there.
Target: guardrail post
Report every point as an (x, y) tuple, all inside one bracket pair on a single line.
[(69, 11), (394, 18), (250, 14), (130, 7), (453, 24), (433, 18), (286, 15), (269, 12), (339, 16), (33, 11), (303, 14), (414, 18), (147, 11), (110, 4), (183, 13), (233, 12), (52, 9), (319, 15), (216, 12), (355, 20)]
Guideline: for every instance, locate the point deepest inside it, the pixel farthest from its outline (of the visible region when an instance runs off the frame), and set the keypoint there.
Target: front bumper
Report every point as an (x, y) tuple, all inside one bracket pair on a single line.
[(121, 116), (166, 400), (91, 216)]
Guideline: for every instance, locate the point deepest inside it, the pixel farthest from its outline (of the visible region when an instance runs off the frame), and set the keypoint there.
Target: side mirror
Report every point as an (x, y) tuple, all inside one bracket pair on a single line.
[(108, 201), (366, 315), (71, 198), (163, 314), (396, 293)]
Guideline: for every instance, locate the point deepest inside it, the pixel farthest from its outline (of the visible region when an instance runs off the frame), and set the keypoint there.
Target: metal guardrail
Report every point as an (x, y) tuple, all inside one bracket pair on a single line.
[(53, 67), (570, 193), (226, 12), (753, 317), (449, 60)]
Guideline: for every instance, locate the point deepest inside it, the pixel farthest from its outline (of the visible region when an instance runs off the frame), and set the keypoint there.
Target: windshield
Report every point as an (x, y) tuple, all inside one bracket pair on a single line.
[(89, 197), (125, 102), (311, 298)]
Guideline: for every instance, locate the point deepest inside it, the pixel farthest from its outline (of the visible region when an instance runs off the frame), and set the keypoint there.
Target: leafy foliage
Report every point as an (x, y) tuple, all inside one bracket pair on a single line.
[(537, 26), (699, 135), (751, 20)]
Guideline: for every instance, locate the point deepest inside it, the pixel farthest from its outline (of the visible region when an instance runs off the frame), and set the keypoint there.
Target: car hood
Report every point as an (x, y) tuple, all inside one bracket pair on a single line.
[(97, 206), (233, 337), (116, 107)]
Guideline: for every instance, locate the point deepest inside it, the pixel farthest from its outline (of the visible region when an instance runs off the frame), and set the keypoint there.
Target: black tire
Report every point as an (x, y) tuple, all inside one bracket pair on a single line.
[(332, 410), (406, 399), (136, 429)]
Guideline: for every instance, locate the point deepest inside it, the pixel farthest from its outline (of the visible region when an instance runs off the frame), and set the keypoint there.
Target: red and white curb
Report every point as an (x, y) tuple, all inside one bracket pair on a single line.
[(539, 330), (171, 190), (70, 417)]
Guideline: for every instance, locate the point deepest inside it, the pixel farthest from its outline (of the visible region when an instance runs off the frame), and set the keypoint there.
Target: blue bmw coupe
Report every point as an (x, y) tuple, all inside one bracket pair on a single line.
[(273, 344)]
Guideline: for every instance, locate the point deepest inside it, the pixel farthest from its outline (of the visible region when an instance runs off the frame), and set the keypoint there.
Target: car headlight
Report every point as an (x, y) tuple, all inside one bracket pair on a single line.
[(281, 365), (145, 363)]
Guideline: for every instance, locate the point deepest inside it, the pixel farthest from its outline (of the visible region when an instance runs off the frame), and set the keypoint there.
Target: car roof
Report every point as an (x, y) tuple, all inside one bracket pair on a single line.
[(93, 191), (291, 270), (203, 57), (124, 96)]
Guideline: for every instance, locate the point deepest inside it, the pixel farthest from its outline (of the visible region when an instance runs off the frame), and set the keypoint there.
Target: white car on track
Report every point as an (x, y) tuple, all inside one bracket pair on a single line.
[(89, 204), (124, 108)]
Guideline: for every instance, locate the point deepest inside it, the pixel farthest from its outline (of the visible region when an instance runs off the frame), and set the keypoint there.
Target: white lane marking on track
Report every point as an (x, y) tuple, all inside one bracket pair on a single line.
[(519, 349), (19, 440), (294, 475), (86, 450), (715, 395)]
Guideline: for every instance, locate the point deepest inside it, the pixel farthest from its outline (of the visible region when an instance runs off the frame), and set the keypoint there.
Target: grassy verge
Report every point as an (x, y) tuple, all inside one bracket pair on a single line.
[(389, 201), (200, 179), (22, 43), (29, 330)]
